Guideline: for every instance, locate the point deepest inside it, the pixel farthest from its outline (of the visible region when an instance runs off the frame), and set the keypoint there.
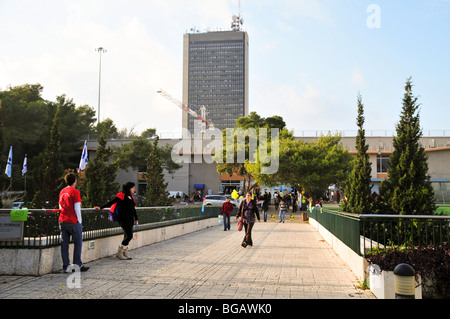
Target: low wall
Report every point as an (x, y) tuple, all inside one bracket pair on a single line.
[(357, 263), (38, 262)]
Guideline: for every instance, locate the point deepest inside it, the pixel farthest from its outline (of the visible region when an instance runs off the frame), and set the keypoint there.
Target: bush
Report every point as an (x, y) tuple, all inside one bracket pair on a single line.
[(432, 263)]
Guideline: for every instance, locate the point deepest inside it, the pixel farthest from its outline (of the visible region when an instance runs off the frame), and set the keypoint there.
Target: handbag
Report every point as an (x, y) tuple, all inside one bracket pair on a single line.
[(240, 223)]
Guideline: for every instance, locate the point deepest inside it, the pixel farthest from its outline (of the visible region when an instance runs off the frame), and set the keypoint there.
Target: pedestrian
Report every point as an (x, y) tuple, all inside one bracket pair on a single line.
[(127, 216), (247, 211), (70, 223), (283, 209), (265, 205), (226, 210)]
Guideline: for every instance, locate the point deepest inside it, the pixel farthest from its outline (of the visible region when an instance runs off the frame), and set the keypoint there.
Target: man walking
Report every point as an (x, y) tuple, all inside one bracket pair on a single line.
[(70, 223), (226, 210)]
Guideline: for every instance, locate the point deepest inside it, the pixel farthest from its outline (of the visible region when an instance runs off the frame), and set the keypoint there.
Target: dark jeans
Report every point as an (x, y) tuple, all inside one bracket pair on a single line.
[(74, 230), (127, 233), (248, 234)]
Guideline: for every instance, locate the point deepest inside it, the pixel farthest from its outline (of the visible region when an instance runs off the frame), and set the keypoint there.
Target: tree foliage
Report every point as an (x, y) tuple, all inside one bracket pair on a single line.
[(100, 174), (243, 124), (408, 189), (156, 193), (49, 176), (358, 186)]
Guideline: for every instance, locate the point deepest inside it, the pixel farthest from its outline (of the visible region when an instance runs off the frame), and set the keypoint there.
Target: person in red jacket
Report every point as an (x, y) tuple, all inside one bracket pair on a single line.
[(127, 216), (226, 210), (70, 223)]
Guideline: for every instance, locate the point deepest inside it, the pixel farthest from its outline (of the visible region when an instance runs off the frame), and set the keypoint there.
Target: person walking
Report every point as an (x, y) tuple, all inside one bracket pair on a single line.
[(248, 211), (265, 205), (127, 216), (70, 223), (283, 209), (226, 210)]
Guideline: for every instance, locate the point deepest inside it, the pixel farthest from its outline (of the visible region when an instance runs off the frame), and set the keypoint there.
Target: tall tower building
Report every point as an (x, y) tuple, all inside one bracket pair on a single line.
[(215, 75)]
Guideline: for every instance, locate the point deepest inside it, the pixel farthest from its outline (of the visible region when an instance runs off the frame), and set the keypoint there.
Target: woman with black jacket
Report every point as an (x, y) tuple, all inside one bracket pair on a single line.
[(247, 211), (127, 216)]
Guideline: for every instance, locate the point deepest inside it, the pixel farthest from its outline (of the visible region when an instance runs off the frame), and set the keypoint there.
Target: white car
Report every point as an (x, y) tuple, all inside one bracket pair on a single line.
[(18, 205), (217, 200)]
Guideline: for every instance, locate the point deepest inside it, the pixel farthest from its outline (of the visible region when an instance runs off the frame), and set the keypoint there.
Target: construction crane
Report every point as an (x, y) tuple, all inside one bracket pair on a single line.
[(201, 117)]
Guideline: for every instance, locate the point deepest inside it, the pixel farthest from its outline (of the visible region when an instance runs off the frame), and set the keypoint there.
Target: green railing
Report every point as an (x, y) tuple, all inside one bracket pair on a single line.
[(384, 231), (345, 227), (365, 232), (41, 230)]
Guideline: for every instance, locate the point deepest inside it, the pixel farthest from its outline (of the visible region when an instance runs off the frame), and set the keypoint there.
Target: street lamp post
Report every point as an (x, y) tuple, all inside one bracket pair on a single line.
[(100, 50)]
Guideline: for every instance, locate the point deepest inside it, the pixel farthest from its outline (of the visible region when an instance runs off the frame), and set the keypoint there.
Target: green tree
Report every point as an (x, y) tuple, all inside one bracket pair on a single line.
[(50, 175), (244, 124), (100, 174), (135, 154), (311, 167), (156, 193), (358, 188), (75, 123), (408, 189)]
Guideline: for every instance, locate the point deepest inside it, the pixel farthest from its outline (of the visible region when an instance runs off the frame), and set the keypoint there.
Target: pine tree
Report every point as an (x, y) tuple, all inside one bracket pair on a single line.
[(156, 193), (408, 189), (358, 190), (100, 175), (50, 176)]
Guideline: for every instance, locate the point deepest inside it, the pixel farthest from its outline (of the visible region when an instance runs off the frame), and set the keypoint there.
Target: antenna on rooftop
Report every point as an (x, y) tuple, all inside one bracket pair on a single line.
[(237, 20)]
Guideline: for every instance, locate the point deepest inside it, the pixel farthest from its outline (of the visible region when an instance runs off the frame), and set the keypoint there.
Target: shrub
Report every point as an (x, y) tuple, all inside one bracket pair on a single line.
[(432, 263)]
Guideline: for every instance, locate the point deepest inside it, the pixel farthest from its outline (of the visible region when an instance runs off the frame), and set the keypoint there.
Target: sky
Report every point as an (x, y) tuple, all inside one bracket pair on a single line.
[(308, 59)]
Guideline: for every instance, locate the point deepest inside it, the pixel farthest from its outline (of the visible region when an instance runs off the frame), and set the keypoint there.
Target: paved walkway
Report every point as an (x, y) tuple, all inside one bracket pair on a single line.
[(287, 261)]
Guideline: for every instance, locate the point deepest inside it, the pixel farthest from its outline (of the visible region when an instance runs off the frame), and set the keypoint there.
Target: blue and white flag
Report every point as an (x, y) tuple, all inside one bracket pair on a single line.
[(84, 158), (9, 163), (24, 168)]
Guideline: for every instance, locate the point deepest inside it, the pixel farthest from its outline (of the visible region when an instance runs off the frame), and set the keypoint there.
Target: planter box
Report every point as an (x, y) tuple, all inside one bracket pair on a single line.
[(381, 283)]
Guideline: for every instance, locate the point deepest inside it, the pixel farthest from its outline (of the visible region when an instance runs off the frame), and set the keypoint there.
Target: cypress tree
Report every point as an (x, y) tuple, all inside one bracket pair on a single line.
[(100, 174), (50, 176), (358, 190), (156, 193), (408, 189)]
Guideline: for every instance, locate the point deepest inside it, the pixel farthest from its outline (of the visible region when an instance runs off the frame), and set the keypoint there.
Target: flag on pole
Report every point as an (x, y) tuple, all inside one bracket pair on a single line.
[(24, 168), (9, 163), (84, 158)]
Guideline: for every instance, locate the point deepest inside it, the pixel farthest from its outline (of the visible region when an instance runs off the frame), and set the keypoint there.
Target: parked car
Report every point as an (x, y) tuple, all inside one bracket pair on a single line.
[(18, 205), (217, 200)]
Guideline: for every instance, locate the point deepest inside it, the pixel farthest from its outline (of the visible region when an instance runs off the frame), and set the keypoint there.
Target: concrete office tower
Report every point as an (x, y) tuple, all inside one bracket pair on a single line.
[(215, 75)]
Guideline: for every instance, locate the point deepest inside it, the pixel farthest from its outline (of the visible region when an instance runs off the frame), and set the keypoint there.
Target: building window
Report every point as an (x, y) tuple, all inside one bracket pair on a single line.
[(382, 163)]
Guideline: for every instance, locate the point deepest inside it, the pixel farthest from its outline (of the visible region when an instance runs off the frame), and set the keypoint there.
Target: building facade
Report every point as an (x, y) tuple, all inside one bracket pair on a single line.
[(215, 75)]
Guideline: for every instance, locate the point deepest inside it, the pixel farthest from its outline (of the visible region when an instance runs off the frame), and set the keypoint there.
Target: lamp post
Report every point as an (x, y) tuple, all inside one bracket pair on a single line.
[(100, 50)]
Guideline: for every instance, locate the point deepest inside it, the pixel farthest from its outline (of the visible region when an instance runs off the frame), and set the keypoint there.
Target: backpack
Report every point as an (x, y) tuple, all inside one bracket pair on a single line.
[(114, 212)]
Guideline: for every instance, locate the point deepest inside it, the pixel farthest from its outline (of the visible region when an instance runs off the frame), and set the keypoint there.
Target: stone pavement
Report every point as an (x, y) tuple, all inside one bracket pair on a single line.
[(286, 261)]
